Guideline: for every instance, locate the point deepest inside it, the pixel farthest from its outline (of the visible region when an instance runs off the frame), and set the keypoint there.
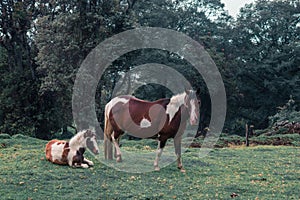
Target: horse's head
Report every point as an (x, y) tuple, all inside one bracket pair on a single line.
[(192, 102), (91, 141)]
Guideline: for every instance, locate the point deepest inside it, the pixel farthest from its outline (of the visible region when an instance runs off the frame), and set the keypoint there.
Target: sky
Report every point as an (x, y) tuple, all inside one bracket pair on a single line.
[(233, 6)]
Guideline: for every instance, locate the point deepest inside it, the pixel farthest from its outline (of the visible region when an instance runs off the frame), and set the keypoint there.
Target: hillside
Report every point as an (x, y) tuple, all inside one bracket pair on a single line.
[(261, 172)]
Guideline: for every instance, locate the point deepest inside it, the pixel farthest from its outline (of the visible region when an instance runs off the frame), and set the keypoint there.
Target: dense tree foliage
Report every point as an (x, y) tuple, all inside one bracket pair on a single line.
[(43, 43), (266, 43)]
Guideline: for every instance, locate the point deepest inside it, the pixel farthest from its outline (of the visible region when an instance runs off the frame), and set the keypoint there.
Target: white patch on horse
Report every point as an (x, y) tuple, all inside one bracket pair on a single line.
[(145, 123), (56, 151), (173, 106), (113, 102), (193, 109)]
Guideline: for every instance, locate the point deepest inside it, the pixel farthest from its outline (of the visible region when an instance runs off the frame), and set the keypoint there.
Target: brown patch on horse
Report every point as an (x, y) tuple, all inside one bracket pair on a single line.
[(154, 112), (137, 114), (65, 153)]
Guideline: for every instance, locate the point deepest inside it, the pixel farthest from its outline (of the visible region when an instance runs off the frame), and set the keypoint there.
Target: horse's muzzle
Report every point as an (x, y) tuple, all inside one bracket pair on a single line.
[(193, 122), (95, 151)]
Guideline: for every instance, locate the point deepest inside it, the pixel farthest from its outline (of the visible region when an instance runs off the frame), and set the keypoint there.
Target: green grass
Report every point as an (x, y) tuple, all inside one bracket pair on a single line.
[(263, 139), (261, 172)]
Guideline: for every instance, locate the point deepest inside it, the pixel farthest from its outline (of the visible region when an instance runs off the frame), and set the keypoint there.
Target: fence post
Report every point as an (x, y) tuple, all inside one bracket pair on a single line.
[(247, 136)]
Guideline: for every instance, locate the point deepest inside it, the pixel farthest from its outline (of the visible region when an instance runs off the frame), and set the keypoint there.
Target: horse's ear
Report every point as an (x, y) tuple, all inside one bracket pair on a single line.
[(187, 91), (88, 133), (85, 135)]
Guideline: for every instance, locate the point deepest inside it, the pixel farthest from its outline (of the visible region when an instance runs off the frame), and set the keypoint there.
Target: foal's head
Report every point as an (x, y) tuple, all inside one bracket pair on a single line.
[(91, 141), (192, 101)]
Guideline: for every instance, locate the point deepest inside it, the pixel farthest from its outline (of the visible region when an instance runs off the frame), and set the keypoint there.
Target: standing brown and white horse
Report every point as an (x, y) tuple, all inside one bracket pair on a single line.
[(71, 153), (164, 118)]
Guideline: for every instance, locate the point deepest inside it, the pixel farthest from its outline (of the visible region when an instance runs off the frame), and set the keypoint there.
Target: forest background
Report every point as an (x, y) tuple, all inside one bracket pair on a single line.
[(43, 43)]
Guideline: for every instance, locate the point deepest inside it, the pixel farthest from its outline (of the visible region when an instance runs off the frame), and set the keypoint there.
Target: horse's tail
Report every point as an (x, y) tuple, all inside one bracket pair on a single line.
[(108, 148)]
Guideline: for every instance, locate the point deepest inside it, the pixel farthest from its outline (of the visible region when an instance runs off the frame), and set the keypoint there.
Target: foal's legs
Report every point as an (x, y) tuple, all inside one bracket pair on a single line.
[(78, 165), (86, 161), (160, 147), (81, 165), (117, 147), (177, 145)]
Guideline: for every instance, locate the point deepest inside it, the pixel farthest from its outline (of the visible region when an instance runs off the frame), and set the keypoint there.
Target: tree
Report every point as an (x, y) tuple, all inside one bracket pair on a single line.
[(70, 35), (266, 40), (18, 78)]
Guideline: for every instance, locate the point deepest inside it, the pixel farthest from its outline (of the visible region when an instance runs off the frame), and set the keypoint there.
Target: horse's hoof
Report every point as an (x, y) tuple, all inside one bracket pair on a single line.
[(85, 166), (119, 159), (156, 169), (182, 170)]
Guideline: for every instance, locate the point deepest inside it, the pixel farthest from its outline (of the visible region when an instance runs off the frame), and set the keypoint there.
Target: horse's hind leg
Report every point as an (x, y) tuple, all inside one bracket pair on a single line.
[(108, 130), (108, 148), (117, 148)]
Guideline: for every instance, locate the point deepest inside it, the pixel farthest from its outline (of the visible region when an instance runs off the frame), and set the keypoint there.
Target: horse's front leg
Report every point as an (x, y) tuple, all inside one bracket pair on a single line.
[(118, 142), (160, 147), (81, 165), (86, 161), (177, 145), (117, 147), (77, 165)]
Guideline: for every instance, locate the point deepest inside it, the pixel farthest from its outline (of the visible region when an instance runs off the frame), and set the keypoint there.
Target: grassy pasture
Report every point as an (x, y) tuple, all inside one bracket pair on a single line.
[(260, 172)]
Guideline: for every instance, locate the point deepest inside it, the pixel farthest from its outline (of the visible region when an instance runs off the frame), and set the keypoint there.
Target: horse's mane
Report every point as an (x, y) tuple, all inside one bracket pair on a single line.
[(175, 102), (178, 100), (77, 139)]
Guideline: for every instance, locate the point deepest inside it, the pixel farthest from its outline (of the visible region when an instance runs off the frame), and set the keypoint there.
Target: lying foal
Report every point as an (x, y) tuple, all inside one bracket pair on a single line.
[(71, 153)]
